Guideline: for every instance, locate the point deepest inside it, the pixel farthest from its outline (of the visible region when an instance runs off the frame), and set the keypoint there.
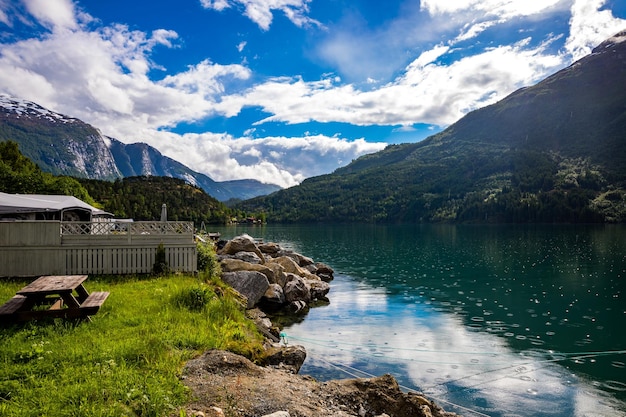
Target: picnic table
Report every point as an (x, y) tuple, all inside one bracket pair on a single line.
[(53, 296)]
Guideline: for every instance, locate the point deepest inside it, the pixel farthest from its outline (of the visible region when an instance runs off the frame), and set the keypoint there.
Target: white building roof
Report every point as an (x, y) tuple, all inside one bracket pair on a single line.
[(36, 203)]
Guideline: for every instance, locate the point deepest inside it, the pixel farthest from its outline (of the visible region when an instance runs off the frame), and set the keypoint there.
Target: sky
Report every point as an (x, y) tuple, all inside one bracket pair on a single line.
[(282, 90)]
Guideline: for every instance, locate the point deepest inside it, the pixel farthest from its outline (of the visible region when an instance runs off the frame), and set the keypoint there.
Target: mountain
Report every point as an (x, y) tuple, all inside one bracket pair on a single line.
[(63, 145), (553, 152)]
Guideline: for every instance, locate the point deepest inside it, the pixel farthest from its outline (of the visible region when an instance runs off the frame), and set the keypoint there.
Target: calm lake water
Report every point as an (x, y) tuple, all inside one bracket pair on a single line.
[(485, 320)]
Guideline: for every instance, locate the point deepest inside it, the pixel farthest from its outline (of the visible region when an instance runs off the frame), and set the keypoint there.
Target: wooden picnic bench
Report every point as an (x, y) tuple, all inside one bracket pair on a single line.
[(53, 296)]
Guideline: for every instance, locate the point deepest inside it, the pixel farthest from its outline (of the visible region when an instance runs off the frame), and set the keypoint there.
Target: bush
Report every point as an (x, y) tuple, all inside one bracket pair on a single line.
[(160, 266), (207, 260)]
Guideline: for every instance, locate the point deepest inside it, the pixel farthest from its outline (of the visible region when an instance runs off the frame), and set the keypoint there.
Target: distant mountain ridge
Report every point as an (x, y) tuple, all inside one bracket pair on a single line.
[(553, 152), (64, 145)]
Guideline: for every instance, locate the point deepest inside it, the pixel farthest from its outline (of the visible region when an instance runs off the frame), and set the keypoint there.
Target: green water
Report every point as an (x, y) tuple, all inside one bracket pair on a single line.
[(487, 320)]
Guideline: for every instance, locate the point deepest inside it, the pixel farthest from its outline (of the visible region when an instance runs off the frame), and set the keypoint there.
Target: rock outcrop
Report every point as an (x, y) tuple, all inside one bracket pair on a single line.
[(235, 386), (272, 277)]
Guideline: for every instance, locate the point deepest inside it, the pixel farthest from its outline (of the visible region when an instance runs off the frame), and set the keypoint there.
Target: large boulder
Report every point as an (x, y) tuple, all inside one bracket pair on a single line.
[(274, 296), (250, 257), (297, 289), (325, 272), (270, 248), (290, 266), (243, 243), (319, 289), (286, 358), (250, 284), (233, 265), (299, 259)]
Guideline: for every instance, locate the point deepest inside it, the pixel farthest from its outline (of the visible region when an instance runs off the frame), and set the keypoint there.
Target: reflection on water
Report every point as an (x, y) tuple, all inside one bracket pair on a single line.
[(502, 321)]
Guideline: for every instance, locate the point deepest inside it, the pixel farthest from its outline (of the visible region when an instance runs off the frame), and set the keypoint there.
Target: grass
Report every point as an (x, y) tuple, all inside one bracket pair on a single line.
[(127, 361)]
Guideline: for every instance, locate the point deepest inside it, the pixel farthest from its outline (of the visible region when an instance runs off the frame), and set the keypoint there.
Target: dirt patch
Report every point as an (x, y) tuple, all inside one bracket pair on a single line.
[(240, 388)]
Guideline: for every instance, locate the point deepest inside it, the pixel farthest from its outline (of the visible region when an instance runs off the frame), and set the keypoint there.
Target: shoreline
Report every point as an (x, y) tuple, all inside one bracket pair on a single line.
[(224, 383)]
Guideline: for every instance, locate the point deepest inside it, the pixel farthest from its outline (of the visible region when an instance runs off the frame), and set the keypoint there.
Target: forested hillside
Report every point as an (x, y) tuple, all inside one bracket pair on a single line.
[(141, 198), (554, 152), (138, 198)]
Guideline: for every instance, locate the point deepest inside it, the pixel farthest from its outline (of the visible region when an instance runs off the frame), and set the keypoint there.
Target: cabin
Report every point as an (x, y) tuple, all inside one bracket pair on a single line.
[(62, 235)]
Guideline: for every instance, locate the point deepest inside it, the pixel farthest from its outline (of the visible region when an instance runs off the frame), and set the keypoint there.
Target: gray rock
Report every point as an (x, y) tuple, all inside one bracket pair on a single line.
[(249, 257), (297, 289), (325, 272), (274, 295), (319, 289), (250, 284), (299, 259), (288, 358), (297, 306), (243, 243)]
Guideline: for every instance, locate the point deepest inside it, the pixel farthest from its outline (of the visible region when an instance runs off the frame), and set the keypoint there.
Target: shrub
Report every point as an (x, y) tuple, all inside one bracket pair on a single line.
[(160, 266), (207, 260)]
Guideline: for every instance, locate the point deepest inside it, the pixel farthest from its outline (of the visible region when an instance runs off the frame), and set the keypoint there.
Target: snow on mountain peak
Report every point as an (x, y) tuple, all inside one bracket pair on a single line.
[(24, 108)]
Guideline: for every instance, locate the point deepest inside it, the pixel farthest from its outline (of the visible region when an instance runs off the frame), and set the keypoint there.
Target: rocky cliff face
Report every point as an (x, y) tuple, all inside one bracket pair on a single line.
[(63, 145)]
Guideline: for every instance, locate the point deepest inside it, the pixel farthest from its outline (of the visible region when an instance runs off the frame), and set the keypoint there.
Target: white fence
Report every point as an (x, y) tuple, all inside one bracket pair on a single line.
[(30, 248)]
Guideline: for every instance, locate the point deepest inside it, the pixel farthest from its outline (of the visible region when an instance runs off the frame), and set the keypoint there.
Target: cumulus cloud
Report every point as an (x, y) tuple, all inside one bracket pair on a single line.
[(590, 25), (284, 161), (105, 76), (500, 8), (54, 14), (427, 92), (261, 11)]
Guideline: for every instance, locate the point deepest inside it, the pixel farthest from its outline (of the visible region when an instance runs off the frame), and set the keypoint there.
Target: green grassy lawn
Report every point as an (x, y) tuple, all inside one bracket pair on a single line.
[(127, 361)]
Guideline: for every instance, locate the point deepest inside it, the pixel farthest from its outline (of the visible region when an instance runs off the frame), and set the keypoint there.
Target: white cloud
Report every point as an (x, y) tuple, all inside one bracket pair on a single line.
[(426, 92), (278, 160), (53, 14), (261, 11), (589, 26), (104, 78), (500, 8)]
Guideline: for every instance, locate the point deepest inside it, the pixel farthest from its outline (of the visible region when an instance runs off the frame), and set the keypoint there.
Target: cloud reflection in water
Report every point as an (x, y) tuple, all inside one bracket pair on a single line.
[(366, 331)]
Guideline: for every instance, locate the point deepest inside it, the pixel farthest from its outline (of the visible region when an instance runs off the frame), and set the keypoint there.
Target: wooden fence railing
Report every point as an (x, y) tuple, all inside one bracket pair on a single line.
[(29, 248)]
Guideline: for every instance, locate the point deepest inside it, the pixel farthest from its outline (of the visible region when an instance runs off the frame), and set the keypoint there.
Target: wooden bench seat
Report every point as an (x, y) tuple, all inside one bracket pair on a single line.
[(11, 306), (93, 303)]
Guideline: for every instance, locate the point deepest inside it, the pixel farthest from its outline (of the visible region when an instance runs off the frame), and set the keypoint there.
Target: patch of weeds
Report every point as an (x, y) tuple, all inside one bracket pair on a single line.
[(195, 298)]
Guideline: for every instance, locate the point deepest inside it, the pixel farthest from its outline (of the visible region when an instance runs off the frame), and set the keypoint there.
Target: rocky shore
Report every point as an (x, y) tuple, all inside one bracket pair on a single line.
[(271, 278)]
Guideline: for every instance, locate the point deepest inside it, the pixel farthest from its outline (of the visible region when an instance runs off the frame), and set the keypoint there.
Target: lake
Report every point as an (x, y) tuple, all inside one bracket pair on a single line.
[(485, 320)]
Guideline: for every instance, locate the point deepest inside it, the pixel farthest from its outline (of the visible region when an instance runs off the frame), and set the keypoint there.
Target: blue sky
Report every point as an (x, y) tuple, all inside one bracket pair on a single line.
[(281, 90)]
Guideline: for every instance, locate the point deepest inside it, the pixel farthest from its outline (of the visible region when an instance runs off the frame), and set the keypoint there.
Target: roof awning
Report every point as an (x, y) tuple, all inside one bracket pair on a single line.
[(37, 203)]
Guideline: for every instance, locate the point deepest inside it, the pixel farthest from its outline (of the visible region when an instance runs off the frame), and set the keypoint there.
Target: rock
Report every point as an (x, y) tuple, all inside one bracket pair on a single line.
[(215, 412), (278, 414), (274, 296), (325, 272), (291, 266), (319, 289), (279, 273), (297, 289), (233, 265), (243, 243), (297, 306), (251, 284), (299, 259), (241, 388), (269, 248), (250, 257), (286, 358)]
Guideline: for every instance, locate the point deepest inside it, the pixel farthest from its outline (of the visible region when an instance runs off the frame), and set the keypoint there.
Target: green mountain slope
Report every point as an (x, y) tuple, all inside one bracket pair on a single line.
[(554, 152)]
